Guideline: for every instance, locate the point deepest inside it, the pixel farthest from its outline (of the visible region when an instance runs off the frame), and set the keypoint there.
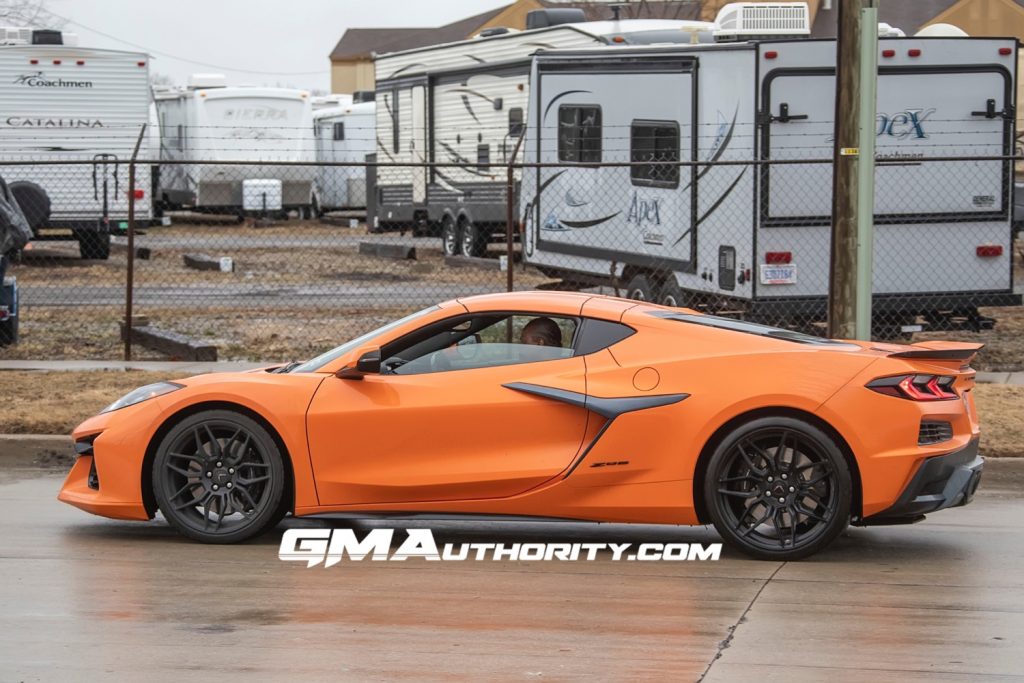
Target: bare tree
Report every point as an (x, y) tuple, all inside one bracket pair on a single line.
[(29, 13), (160, 79)]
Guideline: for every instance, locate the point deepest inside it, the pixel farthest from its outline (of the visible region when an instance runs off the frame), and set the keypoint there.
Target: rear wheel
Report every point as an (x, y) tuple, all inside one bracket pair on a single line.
[(219, 477), (450, 237), (474, 240), (640, 288), (670, 293), (778, 488)]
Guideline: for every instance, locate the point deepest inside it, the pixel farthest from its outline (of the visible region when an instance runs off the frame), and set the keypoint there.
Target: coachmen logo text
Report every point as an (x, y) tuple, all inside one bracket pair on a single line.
[(39, 80)]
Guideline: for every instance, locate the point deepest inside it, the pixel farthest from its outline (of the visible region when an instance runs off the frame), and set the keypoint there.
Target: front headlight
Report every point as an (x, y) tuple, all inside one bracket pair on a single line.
[(142, 394)]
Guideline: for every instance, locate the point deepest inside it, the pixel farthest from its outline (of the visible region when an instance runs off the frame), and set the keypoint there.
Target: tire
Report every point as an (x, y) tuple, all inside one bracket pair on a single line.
[(671, 294), (201, 498), (9, 331), (451, 237), (474, 240), (94, 245), (749, 489), (639, 288), (33, 201)]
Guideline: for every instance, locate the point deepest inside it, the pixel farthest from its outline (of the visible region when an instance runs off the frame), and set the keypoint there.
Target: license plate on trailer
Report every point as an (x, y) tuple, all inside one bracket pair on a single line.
[(772, 274)]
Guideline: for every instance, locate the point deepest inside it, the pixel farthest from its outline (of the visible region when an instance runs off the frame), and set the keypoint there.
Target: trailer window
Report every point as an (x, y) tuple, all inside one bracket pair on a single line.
[(579, 134), (483, 157), (515, 121), (339, 130), (657, 142)]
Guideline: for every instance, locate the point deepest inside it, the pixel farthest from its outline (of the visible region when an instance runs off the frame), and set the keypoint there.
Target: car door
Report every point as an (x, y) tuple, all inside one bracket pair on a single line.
[(448, 431)]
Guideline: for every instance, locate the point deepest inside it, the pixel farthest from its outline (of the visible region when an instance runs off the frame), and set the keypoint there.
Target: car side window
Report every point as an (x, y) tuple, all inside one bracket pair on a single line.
[(596, 334), (481, 341)]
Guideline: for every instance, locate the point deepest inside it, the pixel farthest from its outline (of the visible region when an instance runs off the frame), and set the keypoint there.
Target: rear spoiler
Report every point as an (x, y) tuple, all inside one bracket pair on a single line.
[(940, 351)]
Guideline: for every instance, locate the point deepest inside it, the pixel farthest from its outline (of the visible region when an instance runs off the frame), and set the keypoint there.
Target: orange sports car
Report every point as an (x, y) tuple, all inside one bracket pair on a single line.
[(548, 404)]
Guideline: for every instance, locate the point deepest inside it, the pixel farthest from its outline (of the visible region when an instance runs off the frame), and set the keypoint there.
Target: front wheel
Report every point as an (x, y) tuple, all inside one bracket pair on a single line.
[(219, 477), (778, 488)]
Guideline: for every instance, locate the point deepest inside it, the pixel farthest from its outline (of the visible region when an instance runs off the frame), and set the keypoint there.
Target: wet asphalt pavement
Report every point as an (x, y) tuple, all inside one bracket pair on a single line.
[(83, 598)]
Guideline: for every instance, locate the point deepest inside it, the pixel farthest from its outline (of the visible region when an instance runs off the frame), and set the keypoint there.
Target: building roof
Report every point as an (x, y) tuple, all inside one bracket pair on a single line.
[(906, 15), (360, 43)]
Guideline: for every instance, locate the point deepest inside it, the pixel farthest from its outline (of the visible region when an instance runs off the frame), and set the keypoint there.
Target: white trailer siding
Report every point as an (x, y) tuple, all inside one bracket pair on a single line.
[(71, 103), (936, 98), (345, 134)]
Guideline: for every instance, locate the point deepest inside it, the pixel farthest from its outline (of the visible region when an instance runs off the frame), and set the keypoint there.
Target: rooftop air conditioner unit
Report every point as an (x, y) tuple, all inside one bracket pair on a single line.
[(750, 20), (11, 35), (197, 81)]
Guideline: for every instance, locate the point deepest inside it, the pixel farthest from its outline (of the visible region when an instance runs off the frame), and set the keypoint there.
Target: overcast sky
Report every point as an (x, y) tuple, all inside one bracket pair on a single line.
[(264, 42)]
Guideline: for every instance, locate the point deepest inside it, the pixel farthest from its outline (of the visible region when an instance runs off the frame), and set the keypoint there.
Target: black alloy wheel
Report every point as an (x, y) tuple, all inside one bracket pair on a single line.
[(778, 489), (450, 237), (218, 477)]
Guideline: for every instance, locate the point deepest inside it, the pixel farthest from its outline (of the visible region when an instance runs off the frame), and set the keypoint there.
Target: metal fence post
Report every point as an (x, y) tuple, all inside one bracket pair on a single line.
[(130, 280), (509, 227)]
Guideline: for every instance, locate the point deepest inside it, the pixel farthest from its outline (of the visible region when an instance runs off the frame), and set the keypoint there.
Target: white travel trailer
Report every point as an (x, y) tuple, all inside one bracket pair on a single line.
[(62, 102), (344, 134), (209, 122), (755, 238), (465, 103)]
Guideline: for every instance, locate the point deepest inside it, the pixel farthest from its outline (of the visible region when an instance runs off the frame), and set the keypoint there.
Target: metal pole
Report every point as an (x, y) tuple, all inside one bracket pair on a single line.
[(842, 292), (866, 166), (509, 227), (130, 283)]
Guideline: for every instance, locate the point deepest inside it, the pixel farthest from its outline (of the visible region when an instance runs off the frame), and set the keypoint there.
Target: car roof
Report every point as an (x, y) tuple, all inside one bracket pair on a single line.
[(559, 303)]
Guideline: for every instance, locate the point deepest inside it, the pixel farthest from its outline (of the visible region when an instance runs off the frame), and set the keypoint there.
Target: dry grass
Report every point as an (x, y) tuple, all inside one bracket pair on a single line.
[(1001, 411), (70, 397), (56, 402)]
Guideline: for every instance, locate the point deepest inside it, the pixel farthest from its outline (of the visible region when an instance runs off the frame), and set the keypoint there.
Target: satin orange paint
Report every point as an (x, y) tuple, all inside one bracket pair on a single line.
[(463, 442)]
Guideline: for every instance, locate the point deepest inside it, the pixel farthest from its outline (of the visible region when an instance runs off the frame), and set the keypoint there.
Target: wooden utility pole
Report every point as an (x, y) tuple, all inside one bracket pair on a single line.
[(842, 292)]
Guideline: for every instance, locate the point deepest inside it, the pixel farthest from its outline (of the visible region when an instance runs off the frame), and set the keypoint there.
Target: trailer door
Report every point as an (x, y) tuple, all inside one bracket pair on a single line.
[(921, 114)]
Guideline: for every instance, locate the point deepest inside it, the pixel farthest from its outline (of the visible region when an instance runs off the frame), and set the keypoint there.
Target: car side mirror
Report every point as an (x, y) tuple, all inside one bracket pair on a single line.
[(368, 364)]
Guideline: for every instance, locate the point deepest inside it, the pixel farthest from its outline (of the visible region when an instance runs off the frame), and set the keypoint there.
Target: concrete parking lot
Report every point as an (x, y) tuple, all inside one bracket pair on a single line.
[(84, 598)]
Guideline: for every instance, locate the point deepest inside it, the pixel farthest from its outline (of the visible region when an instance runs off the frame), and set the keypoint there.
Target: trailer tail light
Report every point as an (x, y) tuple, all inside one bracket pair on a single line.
[(771, 54), (913, 52), (1005, 51), (776, 257), (916, 387), (56, 62), (137, 194), (33, 61), (140, 63), (888, 53), (80, 62), (988, 250)]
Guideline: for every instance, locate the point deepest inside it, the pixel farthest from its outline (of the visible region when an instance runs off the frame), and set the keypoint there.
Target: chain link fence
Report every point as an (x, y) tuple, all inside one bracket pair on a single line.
[(264, 257)]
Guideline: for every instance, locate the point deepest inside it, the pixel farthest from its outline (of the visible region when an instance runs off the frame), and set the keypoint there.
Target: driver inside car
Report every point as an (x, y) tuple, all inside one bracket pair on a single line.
[(541, 332)]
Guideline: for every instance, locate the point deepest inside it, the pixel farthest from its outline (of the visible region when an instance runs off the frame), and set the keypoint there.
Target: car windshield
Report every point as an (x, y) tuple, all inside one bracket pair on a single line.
[(323, 359)]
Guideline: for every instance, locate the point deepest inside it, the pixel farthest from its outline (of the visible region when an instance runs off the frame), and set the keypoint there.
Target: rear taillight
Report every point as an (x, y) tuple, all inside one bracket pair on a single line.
[(916, 387)]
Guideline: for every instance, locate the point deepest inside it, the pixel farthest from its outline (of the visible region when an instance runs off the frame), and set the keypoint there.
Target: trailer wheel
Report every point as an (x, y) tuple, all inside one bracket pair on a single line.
[(639, 288), (474, 240), (9, 331), (671, 294), (34, 202), (450, 236), (94, 245)]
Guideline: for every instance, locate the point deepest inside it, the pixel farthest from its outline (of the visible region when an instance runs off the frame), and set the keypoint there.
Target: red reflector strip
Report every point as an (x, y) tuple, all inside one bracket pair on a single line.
[(1005, 51), (56, 62), (80, 62), (141, 63), (774, 257), (888, 53), (33, 61), (914, 52), (771, 54), (989, 250)]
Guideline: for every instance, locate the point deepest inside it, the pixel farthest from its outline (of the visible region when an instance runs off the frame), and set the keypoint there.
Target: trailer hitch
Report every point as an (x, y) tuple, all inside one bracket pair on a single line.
[(991, 113)]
